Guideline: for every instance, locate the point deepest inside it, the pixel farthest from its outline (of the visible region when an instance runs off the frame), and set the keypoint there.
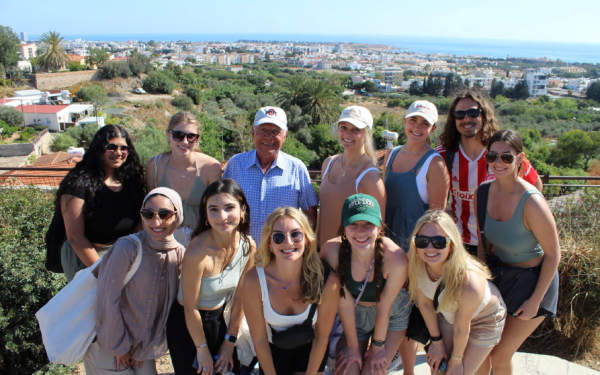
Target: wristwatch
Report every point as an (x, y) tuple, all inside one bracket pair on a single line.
[(378, 343), (436, 338), (230, 338)]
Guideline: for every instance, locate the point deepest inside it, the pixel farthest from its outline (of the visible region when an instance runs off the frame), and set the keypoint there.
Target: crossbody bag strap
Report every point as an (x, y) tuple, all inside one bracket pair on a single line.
[(364, 286), (482, 199), (436, 296), (313, 307)]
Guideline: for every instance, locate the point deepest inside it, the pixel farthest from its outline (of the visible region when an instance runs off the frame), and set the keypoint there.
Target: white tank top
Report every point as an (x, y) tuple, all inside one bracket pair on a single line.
[(421, 176), (277, 321)]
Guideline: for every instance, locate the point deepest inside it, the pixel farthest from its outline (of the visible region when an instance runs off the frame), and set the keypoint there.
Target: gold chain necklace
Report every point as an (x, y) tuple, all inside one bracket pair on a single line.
[(344, 172), (416, 153)]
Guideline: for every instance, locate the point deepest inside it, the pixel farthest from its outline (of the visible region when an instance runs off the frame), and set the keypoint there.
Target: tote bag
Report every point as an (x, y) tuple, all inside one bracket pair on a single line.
[(68, 321)]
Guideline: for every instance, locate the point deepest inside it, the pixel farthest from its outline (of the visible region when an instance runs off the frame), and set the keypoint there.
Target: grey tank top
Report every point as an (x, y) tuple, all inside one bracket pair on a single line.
[(214, 290), (191, 206), (404, 205)]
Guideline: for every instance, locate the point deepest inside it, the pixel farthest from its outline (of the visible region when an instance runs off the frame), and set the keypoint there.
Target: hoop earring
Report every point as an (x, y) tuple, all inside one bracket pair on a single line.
[(344, 237)]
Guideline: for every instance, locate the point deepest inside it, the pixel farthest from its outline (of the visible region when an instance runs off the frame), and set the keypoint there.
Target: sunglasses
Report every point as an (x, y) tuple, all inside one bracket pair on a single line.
[(507, 157), (114, 147), (178, 136), (279, 237), (163, 214), (438, 242), (472, 113)]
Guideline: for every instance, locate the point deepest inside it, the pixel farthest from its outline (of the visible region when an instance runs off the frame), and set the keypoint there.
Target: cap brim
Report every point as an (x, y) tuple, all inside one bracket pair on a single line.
[(429, 119), (359, 124), (359, 217), (270, 120)]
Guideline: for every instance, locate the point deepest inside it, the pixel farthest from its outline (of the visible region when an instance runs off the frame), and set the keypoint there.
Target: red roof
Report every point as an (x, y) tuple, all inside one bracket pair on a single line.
[(34, 108), (4, 101), (120, 58), (54, 91), (40, 178)]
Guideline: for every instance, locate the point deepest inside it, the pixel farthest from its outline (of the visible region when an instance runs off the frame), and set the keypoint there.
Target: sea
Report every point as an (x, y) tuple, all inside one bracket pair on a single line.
[(569, 52)]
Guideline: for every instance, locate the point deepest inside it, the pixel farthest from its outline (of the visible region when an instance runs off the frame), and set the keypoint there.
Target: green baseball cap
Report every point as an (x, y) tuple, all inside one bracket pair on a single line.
[(361, 207)]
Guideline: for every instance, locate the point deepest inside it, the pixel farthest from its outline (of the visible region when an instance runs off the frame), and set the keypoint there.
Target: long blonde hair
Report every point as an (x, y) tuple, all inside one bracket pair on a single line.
[(454, 271), (369, 144), (312, 280)]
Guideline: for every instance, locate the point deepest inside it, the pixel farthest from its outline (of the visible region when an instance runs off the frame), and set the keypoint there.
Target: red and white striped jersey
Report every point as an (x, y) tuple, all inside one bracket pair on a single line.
[(466, 176)]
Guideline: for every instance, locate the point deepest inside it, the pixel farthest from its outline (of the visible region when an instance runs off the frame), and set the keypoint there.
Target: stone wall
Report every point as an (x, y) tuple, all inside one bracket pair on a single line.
[(58, 81), (40, 145)]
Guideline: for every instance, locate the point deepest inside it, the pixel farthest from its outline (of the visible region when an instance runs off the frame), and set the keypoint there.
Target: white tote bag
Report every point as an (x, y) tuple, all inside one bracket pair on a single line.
[(68, 321)]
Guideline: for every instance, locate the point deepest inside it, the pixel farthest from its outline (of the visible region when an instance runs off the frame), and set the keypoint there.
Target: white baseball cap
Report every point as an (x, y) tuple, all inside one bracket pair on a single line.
[(425, 109), (271, 115), (357, 116)]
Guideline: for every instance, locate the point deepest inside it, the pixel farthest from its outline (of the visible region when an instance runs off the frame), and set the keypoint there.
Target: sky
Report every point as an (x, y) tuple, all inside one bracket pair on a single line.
[(522, 20)]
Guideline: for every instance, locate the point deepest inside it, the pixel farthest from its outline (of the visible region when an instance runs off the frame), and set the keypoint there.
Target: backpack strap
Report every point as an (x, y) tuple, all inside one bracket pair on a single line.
[(482, 199), (449, 161)]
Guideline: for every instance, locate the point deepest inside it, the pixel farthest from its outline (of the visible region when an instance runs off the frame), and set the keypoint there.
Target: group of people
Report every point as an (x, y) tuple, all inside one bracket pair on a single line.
[(251, 244)]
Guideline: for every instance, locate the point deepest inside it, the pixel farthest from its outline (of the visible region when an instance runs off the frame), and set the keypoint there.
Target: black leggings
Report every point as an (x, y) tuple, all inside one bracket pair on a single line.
[(181, 346)]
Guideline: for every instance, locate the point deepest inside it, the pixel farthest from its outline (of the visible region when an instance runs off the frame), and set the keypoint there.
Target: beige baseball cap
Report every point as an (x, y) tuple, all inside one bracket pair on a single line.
[(357, 116), (425, 109)]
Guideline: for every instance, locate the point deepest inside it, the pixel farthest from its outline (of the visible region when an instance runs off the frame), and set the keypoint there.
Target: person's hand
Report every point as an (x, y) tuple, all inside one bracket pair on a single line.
[(135, 364), (205, 361), (434, 356), (224, 359), (455, 367), (528, 310), (346, 358), (378, 363), (124, 360)]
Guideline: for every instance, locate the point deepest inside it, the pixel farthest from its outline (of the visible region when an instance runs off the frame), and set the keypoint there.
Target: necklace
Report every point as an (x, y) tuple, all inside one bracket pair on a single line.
[(344, 172), (177, 170), (416, 153), (432, 275), (280, 282)]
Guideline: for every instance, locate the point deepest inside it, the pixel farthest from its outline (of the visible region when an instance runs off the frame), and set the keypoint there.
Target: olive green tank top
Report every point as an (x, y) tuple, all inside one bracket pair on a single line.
[(354, 287)]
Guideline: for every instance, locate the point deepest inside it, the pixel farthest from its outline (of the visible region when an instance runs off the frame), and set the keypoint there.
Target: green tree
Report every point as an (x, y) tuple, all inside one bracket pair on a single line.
[(267, 57), (158, 83), (9, 47), (294, 147), (293, 92), (323, 142), (148, 142), (184, 103), (152, 43), (53, 55), (11, 116), (93, 94), (74, 66), (139, 64), (62, 142), (452, 84), (593, 92), (519, 92), (574, 145), (97, 56), (415, 88), (321, 102), (497, 88)]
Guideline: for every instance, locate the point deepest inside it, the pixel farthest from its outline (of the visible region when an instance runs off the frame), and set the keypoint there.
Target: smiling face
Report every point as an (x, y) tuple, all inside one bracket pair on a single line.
[(184, 147), (431, 255), (223, 212), (288, 250), (499, 168), (417, 129), (468, 127), (267, 144), (156, 228), (350, 136), (362, 234), (115, 159)]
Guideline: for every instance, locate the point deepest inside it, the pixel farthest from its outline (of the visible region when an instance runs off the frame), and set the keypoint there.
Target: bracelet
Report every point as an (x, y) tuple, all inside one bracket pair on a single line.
[(202, 346), (378, 343), (436, 338), (457, 358)]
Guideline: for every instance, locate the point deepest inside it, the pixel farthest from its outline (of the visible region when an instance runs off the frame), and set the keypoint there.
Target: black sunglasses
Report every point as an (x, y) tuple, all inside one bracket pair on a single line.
[(507, 157), (112, 147), (163, 214), (438, 242), (279, 237), (179, 135), (472, 113)]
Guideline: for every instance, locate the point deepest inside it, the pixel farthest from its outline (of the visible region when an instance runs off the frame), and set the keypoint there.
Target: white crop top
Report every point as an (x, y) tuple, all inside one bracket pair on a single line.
[(360, 176), (421, 176), (277, 321), (428, 288)]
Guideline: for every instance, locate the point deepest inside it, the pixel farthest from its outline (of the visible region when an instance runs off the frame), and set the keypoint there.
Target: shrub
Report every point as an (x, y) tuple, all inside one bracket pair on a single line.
[(114, 69), (158, 83), (62, 142), (11, 116), (159, 105), (26, 286), (148, 142), (183, 102)]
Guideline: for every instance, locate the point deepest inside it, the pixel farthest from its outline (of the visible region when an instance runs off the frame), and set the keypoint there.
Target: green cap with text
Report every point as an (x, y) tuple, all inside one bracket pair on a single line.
[(361, 207)]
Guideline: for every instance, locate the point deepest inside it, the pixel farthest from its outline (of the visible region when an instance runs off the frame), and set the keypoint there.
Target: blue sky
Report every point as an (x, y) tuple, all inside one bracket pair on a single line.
[(535, 20)]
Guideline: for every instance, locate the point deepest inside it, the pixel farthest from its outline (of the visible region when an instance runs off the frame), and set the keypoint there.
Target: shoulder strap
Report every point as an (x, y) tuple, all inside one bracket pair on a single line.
[(156, 160), (328, 166), (392, 156), (363, 175), (138, 259), (482, 198), (422, 160), (449, 161), (313, 307), (436, 297)]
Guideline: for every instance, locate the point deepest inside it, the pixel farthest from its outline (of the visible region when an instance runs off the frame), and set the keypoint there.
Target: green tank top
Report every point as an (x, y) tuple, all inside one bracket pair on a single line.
[(354, 287)]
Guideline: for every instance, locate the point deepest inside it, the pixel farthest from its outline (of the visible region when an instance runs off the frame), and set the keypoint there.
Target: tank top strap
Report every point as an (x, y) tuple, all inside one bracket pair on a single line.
[(422, 161), (328, 166), (363, 175), (196, 165), (521, 206), (263, 285), (392, 156), (156, 161)]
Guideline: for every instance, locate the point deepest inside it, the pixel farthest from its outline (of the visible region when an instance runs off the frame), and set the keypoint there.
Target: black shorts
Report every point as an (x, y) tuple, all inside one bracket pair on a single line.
[(549, 303), (288, 361)]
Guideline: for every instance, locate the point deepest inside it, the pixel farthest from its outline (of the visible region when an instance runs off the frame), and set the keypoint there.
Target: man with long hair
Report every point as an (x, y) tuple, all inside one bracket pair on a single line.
[(470, 123)]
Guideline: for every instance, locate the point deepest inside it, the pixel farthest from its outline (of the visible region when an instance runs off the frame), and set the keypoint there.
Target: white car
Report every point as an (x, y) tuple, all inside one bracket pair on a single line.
[(139, 90)]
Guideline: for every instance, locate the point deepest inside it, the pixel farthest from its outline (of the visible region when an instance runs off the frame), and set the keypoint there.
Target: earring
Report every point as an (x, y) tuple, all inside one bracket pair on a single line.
[(344, 237), (207, 224), (242, 220)]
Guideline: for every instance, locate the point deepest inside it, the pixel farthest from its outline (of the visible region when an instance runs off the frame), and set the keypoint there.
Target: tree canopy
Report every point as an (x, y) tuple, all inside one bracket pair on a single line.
[(54, 56), (9, 47)]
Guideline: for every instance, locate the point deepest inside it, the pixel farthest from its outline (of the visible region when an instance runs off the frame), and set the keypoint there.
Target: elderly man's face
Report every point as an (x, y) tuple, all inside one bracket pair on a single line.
[(268, 139)]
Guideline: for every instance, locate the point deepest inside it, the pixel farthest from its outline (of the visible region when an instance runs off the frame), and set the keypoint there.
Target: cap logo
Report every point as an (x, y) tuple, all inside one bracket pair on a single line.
[(362, 204), (353, 113), (271, 112), (424, 107)]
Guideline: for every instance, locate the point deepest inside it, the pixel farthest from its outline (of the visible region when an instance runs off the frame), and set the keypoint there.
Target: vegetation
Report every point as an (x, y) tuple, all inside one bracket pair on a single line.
[(9, 49), (136, 64), (53, 56), (158, 83), (74, 137), (11, 116), (97, 56), (93, 94)]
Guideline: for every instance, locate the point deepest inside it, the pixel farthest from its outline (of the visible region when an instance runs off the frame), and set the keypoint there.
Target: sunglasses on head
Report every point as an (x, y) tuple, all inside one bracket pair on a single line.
[(163, 214), (438, 242), (279, 237), (472, 113), (507, 157), (112, 147), (178, 136)]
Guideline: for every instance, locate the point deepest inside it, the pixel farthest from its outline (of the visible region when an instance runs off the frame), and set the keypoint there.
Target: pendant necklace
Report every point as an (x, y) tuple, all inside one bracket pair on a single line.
[(413, 153), (344, 172), (177, 170), (280, 282)]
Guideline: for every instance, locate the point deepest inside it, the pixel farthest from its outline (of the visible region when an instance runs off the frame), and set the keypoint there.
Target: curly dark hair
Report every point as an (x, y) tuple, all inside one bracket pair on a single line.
[(344, 260), (450, 137), (226, 186), (90, 170)]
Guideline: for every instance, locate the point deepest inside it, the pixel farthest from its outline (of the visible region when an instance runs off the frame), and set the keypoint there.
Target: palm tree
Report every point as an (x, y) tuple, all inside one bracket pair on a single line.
[(54, 56), (321, 101), (293, 92)]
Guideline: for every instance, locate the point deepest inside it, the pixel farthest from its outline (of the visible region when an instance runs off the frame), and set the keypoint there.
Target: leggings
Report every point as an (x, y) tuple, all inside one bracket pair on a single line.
[(181, 346)]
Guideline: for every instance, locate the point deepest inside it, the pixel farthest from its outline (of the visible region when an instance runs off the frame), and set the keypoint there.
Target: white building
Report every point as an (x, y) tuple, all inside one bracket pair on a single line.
[(538, 82), (58, 117), (323, 65)]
